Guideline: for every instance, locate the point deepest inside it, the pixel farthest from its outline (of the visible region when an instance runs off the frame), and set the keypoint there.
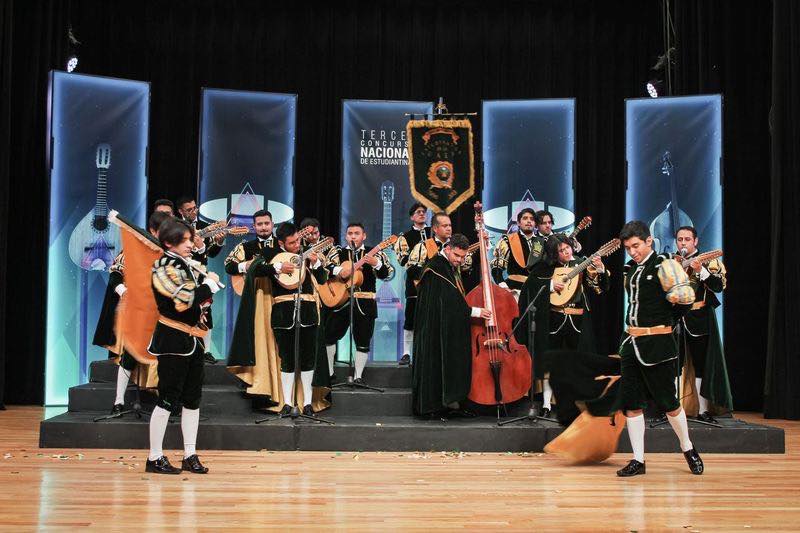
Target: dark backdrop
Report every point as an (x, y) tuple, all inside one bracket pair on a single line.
[(597, 52)]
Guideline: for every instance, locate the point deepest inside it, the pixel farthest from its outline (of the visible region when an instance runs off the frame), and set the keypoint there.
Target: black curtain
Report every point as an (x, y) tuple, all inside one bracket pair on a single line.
[(465, 50), (782, 384), (6, 19)]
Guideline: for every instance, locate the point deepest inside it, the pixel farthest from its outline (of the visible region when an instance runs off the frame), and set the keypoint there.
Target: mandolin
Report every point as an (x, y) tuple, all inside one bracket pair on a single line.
[(704, 258), (292, 279), (335, 291), (569, 276)]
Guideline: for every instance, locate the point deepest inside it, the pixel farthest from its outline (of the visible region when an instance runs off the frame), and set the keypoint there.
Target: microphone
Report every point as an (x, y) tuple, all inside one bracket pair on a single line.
[(683, 252)]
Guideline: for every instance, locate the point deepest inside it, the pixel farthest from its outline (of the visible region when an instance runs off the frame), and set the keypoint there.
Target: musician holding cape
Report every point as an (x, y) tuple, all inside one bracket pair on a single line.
[(442, 370)]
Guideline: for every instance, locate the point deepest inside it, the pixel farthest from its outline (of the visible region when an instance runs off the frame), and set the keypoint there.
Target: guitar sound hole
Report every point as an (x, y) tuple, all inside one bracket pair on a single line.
[(100, 223)]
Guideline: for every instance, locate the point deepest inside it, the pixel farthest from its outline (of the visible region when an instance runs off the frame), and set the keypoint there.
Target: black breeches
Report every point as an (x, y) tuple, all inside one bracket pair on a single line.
[(180, 379), (339, 321), (697, 348), (308, 348)]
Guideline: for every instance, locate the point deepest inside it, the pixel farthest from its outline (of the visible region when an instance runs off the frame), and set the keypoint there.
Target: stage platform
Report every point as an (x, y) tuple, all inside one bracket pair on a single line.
[(364, 421)]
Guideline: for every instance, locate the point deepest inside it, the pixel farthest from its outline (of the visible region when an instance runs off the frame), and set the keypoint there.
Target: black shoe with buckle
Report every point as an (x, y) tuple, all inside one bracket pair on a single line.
[(633, 468), (694, 461), (192, 464), (161, 466), (308, 410), (208, 358), (117, 409), (405, 360)]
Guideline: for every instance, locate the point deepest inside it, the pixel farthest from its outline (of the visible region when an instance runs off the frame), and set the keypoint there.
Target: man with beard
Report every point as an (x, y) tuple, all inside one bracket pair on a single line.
[(512, 252), (241, 257)]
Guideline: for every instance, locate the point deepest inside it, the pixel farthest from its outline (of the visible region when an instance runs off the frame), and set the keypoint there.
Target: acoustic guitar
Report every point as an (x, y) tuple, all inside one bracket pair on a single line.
[(335, 291), (292, 279), (237, 280), (582, 225), (569, 276)]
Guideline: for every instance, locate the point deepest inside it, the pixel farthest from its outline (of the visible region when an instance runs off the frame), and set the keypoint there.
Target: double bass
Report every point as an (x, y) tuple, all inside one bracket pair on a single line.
[(501, 367)]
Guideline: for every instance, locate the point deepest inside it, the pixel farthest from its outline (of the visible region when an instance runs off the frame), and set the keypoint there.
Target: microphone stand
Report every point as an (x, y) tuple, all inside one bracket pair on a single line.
[(136, 409), (351, 383), (530, 311), (295, 413)]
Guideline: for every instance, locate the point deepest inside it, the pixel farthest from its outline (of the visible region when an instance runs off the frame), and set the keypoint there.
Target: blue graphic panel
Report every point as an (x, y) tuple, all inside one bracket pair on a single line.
[(247, 142), (674, 155), (528, 157), (97, 155), (376, 192)]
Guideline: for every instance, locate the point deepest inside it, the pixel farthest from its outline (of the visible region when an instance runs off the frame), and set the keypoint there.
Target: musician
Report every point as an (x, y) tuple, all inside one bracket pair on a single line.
[(241, 257), (366, 307), (419, 232), (658, 290), (565, 327), (313, 236), (203, 248), (180, 294), (442, 229), (699, 339), (544, 229), (283, 319), (105, 335), (512, 251), (442, 371), (165, 206)]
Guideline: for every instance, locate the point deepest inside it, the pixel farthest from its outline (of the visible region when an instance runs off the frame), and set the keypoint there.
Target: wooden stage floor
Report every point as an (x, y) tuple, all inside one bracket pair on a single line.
[(44, 489)]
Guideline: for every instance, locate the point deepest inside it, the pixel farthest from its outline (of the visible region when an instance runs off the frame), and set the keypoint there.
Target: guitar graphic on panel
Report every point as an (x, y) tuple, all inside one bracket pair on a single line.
[(94, 242), (664, 226), (389, 325)]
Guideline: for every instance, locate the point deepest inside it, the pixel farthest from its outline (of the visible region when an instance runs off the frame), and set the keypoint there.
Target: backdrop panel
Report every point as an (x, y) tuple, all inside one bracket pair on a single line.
[(376, 192), (528, 160), (97, 138), (674, 156), (246, 163)]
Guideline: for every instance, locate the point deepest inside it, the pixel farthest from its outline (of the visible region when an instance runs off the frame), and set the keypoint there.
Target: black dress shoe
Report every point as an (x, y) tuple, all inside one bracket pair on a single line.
[(161, 466), (286, 410), (634, 468), (694, 461), (192, 464), (334, 379), (208, 358), (546, 413), (360, 381), (405, 360), (706, 417), (308, 410), (117, 409), (461, 413)]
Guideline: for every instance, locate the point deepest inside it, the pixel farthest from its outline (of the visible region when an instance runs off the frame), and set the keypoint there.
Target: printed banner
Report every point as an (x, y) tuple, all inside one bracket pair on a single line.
[(674, 153), (441, 166), (247, 143), (97, 139), (375, 192), (528, 157)]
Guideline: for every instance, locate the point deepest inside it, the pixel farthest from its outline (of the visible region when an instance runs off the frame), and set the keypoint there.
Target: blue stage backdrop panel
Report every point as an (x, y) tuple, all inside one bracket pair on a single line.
[(376, 192), (246, 163), (97, 156), (528, 160), (674, 157)]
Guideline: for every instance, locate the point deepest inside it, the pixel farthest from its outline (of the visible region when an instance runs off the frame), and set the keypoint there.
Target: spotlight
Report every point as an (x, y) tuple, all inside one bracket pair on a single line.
[(655, 88), (72, 62)]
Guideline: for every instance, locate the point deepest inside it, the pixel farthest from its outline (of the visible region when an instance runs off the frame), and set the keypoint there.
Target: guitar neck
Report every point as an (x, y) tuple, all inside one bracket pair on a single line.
[(387, 220), (580, 267), (703, 258), (371, 253)]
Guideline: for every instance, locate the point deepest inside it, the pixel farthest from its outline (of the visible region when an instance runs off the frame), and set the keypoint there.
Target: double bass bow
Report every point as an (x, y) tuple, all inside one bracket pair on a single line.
[(501, 367)]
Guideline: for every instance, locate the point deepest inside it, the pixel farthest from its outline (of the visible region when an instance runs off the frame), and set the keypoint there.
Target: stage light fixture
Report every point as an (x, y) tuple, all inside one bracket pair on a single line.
[(655, 88), (72, 62)]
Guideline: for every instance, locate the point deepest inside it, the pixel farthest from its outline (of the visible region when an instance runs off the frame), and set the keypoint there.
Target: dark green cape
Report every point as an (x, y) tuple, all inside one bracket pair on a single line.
[(442, 371), (715, 386)]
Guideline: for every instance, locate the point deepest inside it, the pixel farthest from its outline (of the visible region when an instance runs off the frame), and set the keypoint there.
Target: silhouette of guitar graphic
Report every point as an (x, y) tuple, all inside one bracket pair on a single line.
[(94, 242)]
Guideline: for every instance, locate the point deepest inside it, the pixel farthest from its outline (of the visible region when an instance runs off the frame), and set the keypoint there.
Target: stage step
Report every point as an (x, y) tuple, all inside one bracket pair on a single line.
[(397, 434), (382, 375)]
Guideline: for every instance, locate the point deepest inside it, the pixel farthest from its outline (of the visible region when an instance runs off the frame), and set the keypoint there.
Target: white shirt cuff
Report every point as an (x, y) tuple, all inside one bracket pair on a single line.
[(242, 267), (317, 264), (336, 270), (378, 265), (120, 289), (503, 285), (476, 312), (277, 267), (704, 273), (211, 285), (201, 250)]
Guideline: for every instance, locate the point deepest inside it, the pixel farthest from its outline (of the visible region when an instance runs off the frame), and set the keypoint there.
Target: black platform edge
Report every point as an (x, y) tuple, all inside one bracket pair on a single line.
[(400, 434)]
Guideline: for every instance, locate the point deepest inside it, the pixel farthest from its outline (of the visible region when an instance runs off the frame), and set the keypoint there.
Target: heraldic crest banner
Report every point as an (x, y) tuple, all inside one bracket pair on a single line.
[(441, 165)]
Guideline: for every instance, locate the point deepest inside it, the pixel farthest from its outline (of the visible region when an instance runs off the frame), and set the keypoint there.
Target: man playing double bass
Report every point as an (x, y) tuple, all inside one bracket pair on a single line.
[(442, 370)]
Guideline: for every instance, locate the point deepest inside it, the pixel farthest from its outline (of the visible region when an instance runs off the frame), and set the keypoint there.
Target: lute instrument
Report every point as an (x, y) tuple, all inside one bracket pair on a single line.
[(501, 367), (335, 291), (704, 258), (221, 228), (570, 276), (292, 279)]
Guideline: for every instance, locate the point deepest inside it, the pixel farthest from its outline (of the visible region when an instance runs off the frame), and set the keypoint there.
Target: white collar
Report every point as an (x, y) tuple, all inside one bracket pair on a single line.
[(357, 249), (646, 258)]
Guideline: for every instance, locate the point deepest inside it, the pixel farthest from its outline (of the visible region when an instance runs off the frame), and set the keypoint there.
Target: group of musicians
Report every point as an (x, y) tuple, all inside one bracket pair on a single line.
[(670, 320)]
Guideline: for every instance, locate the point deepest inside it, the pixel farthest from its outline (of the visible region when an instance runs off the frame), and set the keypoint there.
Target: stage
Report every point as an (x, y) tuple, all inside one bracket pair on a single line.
[(364, 421), (108, 489)]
